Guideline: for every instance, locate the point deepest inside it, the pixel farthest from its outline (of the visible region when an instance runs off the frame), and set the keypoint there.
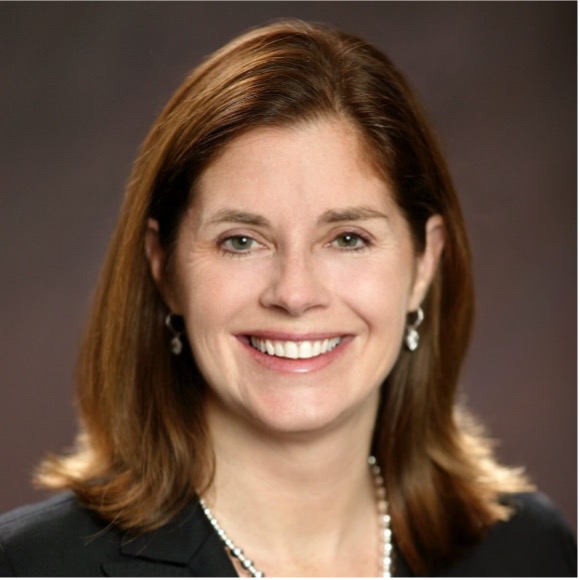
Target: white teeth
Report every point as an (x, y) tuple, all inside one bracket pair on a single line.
[(291, 349), (305, 350), (295, 350)]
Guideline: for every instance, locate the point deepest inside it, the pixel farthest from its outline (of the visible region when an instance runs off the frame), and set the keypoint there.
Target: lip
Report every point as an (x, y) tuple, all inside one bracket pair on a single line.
[(293, 336), (290, 366)]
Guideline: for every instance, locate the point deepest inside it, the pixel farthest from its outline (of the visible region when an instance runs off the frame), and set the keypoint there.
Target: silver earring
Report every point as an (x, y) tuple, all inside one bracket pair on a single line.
[(412, 335), (176, 342)]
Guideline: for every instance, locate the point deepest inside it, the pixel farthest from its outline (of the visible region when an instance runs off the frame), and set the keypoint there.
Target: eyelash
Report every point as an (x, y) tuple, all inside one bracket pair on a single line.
[(366, 243), (232, 253)]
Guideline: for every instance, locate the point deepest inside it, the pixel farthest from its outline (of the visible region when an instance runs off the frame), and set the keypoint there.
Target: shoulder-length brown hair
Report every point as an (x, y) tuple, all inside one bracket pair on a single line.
[(143, 450)]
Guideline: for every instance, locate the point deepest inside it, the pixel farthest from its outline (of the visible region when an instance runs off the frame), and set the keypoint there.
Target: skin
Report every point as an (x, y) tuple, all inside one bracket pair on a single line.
[(292, 235)]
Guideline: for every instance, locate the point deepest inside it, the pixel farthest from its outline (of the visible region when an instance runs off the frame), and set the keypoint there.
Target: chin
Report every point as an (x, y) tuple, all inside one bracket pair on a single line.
[(303, 414)]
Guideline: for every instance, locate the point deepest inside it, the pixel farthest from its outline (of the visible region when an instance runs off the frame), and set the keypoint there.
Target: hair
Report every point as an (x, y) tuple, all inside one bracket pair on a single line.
[(143, 449)]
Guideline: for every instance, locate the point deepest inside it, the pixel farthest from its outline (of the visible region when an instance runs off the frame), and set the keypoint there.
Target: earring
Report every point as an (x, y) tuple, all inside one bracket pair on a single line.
[(412, 336), (176, 342)]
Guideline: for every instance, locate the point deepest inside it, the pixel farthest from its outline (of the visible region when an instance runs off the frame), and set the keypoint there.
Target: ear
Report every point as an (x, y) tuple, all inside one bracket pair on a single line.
[(156, 257), (427, 262)]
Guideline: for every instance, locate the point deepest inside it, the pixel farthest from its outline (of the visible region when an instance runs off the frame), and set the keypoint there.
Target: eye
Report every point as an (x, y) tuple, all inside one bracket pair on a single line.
[(238, 244), (350, 241)]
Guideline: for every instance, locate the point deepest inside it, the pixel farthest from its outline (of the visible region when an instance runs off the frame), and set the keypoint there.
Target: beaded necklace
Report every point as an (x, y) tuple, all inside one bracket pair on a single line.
[(384, 521)]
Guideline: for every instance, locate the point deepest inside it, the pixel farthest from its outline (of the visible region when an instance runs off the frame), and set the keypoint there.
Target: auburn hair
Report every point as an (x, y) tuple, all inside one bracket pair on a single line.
[(143, 450)]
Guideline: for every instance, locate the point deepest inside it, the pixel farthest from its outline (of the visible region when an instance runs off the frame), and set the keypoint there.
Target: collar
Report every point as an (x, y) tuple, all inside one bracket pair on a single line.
[(186, 546)]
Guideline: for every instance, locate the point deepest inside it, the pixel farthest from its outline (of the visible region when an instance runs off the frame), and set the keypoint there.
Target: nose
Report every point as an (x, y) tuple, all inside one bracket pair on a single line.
[(295, 285)]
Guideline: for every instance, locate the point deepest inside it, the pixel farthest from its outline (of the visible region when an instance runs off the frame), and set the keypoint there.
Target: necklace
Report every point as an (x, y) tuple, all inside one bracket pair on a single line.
[(384, 526)]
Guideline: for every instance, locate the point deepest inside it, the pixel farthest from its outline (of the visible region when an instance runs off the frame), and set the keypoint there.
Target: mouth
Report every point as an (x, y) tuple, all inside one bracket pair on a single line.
[(289, 349)]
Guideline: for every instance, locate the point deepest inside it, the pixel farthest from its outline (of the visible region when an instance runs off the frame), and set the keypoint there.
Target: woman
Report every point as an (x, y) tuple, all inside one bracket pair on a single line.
[(267, 382)]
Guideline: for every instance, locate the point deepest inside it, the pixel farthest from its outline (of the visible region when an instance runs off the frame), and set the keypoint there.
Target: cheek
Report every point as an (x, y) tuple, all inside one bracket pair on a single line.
[(378, 289), (213, 294), (207, 299)]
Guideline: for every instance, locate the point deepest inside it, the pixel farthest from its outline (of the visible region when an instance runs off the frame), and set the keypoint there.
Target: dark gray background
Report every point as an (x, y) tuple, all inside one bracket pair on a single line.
[(80, 85)]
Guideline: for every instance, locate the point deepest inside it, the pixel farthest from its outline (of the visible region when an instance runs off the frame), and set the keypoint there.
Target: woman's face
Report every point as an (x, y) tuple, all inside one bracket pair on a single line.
[(295, 271)]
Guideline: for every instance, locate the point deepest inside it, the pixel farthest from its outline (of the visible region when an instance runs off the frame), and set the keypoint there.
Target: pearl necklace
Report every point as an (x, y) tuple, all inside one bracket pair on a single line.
[(384, 521)]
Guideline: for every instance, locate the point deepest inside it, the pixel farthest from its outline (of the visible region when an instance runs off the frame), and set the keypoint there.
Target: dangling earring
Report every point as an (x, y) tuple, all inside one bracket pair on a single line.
[(176, 342), (412, 336)]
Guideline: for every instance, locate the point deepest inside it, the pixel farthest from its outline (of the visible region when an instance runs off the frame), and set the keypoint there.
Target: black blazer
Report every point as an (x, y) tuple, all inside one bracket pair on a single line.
[(59, 537)]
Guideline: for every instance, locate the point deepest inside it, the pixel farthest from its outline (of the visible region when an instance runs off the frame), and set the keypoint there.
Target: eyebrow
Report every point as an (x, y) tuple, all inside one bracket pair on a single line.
[(238, 217), (347, 214), (351, 214)]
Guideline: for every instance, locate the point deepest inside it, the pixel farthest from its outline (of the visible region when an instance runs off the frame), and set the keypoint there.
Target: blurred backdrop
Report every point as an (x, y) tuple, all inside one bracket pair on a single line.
[(82, 82)]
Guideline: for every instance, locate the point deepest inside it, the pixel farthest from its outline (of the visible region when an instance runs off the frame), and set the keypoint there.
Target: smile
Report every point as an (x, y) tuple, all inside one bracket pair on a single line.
[(294, 350)]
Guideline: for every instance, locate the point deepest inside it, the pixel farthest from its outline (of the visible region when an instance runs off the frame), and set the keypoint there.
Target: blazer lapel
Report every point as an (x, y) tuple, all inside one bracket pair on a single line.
[(186, 546), (143, 569)]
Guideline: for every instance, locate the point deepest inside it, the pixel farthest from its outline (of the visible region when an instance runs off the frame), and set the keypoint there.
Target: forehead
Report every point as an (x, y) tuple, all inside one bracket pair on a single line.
[(322, 161)]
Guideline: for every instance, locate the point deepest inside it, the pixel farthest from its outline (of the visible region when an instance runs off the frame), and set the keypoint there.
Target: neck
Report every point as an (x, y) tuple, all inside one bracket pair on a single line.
[(296, 504)]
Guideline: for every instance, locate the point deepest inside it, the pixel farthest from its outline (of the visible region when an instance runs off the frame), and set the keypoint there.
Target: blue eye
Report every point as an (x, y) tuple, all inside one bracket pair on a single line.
[(350, 241), (238, 244)]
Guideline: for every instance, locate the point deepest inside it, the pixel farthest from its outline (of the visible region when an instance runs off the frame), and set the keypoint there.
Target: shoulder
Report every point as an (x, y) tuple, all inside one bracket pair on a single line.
[(534, 509), (54, 537), (60, 537), (534, 541)]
